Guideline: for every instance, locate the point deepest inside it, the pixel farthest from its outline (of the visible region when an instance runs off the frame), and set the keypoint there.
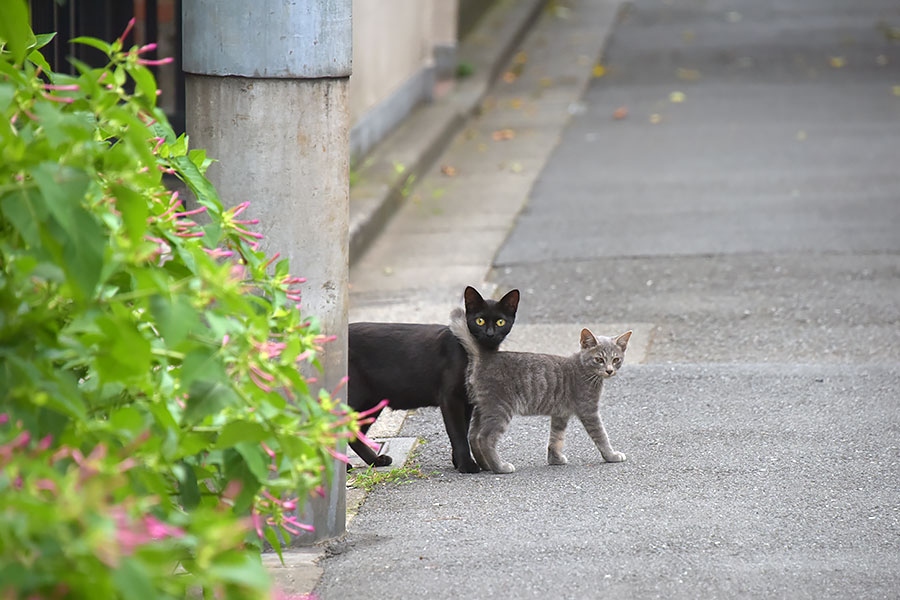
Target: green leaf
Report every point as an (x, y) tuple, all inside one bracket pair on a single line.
[(7, 92), (175, 319), (187, 480), (202, 365), (241, 431), (127, 418), (241, 568), (14, 28), (274, 542), (134, 211), (133, 581), (63, 191), (94, 43), (193, 443), (207, 398), (145, 81), (41, 40), (253, 457), (38, 59), (124, 354), (26, 213)]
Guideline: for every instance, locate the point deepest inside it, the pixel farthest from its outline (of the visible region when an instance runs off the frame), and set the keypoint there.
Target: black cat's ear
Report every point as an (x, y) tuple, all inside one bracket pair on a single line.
[(587, 339), (473, 299), (622, 340), (510, 302)]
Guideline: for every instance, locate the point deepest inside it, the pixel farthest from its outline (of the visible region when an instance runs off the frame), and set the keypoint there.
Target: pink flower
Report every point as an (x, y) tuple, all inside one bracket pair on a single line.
[(268, 450), (159, 530), (190, 212), (239, 208), (259, 373), (271, 260), (4, 418), (294, 522), (365, 440), (252, 234), (46, 484), (257, 524), (161, 61), (232, 489), (63, 99), (259, 383), (338, 455), (374, 409), (127, 30), (218, 252)]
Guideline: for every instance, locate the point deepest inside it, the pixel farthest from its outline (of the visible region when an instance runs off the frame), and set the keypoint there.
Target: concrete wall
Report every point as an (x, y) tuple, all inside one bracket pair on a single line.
[(394, 44)]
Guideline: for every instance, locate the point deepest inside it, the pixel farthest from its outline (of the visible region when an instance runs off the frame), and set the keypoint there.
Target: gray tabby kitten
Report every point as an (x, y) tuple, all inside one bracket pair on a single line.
[(503, 384)]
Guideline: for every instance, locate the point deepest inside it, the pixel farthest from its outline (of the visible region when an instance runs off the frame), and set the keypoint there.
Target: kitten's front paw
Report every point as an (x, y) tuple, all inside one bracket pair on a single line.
[(383, 460), (614, 457), (556, 459), (505, 468)]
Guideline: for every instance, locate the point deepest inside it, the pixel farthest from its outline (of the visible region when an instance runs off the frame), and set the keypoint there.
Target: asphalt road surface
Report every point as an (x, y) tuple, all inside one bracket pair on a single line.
[(747, 206)]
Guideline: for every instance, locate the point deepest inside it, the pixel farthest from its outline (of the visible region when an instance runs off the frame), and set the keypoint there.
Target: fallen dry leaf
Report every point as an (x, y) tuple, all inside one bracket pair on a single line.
[(655, 118), (503, 134), (448, 170), (521, 58), (509, 77), (896, 90), (837, 62), (620, 113), (599, 71), (688, 74), (677, 97)]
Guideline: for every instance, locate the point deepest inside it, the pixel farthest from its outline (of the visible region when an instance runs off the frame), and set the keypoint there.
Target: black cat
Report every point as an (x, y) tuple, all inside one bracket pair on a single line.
[(414, 365)]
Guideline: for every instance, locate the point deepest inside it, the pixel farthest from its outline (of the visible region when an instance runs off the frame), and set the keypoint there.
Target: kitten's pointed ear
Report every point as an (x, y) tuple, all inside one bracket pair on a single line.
[(473, 299), (510, 302), (587, 339), (622, 340)]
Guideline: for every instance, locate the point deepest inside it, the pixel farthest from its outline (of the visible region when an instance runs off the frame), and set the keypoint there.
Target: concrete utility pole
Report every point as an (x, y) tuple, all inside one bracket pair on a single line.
[(266, 89)]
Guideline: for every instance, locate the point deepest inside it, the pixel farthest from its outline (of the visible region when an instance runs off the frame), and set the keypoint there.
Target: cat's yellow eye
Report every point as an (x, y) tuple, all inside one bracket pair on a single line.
[(479, 321), (501, 322)]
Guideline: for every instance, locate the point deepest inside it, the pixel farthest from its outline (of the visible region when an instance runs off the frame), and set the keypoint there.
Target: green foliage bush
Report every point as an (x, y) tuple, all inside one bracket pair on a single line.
[(154, 424)]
